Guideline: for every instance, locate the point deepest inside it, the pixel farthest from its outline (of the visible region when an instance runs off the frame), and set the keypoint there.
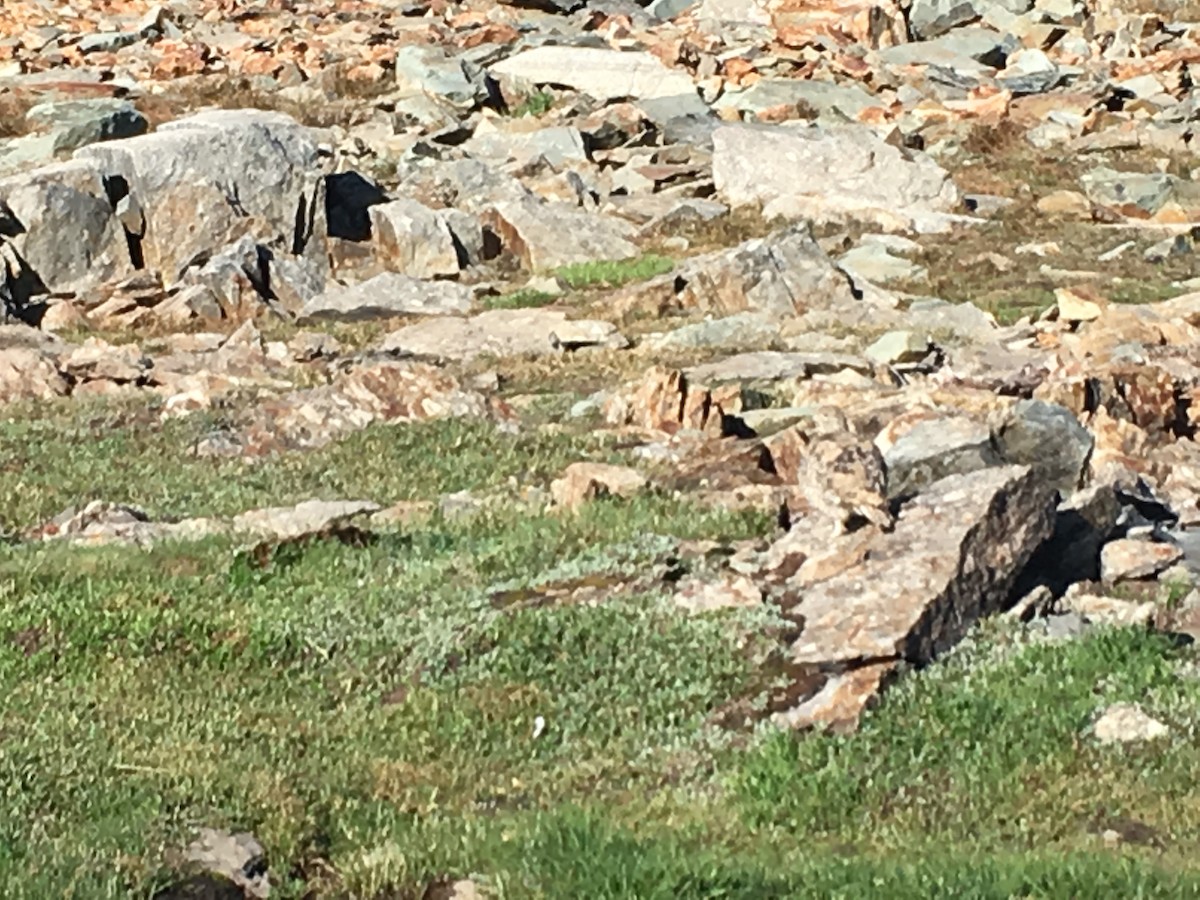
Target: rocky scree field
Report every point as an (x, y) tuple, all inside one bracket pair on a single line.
[(743, 448)]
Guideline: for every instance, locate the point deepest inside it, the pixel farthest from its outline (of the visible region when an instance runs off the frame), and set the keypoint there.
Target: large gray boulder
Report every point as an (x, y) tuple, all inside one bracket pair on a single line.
[(204, 181), (831, 174), (60, 226)]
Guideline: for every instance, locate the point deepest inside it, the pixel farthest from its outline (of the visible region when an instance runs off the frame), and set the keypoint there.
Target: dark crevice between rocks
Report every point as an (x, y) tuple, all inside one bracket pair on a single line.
[(460, 251), (10, 225), (116, 189), (260, 274), (493, 246), (18, 288), (306, 219), (348, 200)]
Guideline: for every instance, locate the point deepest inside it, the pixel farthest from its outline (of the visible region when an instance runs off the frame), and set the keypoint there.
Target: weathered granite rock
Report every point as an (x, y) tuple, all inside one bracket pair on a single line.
[(428, 70), (727, 592), (952, 558), (206, 180), (782, 275), (584, 481), (830, 100), (1049, 438), (831, 174), (897, 347), (413, 239), (933, 448), (26, 373), (77, 123), (1147, 192), (1130, 559), (100, 522), (1127, 723), (501, 332), (386, 295), (1108, 610), (394, 392), (63, 228), (930, 18), (546, 236), (664, 400)]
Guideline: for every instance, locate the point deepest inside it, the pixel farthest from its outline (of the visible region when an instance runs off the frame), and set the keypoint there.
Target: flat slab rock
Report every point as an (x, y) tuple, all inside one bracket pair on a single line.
[(952, 559), (603, 74), (830, 174), (106, 523), (502, 332), (386, 295)]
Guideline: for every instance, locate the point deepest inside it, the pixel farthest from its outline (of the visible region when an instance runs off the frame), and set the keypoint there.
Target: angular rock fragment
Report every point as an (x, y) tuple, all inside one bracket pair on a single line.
[(1130, 559), (77, 123), (27, 373), (413, 239), (663, 400), (730, 591), (783, 275), (383, 392), (63, 229), (546, 236), (951, 559), (1049, 438), (932, 448), (1127, 723), (428, 70), (584, 481)]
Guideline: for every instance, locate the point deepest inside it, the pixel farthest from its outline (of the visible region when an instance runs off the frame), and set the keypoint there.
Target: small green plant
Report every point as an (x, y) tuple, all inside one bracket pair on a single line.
[(536, 104), (614, 273), (520, 299)]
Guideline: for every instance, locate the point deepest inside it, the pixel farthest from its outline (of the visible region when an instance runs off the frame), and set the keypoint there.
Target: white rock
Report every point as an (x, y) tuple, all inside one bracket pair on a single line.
[(1125, 723)]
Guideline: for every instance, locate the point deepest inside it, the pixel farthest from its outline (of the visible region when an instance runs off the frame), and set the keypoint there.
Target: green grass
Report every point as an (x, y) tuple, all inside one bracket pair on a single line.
[(74, 454), (368, 711), (614, 273), (520, 299), (988, 749), (146, 693), (536, 104)]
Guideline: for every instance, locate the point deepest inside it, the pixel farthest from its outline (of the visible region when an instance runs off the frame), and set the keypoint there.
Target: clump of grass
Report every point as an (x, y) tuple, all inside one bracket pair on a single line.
[(104, 452), (524, 298), (614, 273), (536, 104), (989, 749)]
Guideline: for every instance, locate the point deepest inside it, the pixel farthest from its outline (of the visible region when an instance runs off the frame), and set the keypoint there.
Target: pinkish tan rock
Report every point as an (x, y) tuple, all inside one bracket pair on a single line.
[(952, 558), (584, 481), (1129, 559), (727, 592), (664, 400), (27, 373)]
